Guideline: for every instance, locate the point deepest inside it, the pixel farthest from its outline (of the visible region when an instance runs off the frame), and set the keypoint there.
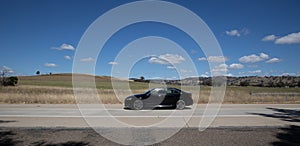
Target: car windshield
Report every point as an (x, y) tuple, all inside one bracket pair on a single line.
[(149, 91), (153, 91)]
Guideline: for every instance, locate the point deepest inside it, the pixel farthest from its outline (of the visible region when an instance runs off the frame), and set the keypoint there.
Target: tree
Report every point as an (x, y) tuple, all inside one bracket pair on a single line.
[(244, 83), (38, 72), (270, 84), (142, 78), (2, 77), (3, 73), (280, 84), (11, 81), (207, 82)]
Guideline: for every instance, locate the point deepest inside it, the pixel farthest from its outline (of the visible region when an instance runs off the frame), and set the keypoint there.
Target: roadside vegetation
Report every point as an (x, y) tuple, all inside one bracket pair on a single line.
[(57, 89)]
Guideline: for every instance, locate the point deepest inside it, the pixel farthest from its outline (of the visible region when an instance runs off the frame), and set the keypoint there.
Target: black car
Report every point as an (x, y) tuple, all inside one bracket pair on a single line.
[(159, 97)]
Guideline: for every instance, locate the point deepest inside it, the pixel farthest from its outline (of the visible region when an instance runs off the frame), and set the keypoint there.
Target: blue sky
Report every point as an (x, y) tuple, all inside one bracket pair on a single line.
[(257, 37)]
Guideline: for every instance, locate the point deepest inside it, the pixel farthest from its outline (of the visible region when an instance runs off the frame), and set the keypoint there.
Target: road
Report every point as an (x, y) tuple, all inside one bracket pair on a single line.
[(239, 124), (241, 115)]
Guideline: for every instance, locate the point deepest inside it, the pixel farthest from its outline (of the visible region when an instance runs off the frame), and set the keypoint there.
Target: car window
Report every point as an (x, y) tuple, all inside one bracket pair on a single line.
[(161, 91), (174, 91), (169, 91), (149, 91), (154, 92)]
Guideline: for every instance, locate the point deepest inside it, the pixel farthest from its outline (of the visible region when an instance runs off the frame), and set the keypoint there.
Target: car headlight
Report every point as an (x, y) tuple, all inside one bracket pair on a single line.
[(129, 99)]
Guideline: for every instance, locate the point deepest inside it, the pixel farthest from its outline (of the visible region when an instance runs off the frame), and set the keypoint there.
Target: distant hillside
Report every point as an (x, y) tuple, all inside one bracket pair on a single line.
[(63, 80), (267, 81), (272, 81), (63, 77)]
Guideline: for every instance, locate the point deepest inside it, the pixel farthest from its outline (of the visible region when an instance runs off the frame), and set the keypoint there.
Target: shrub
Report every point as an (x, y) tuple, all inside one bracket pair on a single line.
[(10, 81), (244, 83)]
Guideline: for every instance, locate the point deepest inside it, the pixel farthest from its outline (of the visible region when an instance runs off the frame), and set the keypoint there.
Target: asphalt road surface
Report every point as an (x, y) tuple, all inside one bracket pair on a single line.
[(243, 124)]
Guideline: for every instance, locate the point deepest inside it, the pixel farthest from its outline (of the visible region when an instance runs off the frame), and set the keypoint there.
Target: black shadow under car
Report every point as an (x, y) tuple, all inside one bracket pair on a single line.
[(159, 97)]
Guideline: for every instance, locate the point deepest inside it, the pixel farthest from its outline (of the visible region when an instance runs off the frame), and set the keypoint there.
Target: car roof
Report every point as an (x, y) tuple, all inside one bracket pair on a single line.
[(166, 88)]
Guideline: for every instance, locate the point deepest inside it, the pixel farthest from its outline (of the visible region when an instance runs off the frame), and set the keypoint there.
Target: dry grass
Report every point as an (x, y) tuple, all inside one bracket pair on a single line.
[(36, 94), (29, 94), (241, 95)]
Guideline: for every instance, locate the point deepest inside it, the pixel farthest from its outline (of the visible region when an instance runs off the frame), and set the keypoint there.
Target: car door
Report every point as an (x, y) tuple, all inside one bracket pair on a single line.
[(172, 97), (162, 93), (156, 97)]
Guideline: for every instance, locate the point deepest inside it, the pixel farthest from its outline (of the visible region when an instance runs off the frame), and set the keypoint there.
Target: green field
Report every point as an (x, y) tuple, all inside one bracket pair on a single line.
[(65, 80), (58, 89)]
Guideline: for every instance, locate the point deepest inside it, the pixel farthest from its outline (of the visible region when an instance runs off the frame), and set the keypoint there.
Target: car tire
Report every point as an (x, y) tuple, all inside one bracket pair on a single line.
[(180, 104), (138, 104)]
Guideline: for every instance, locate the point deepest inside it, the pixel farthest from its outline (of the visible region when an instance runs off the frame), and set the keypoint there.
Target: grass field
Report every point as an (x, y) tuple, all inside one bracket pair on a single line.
[(57, 89)]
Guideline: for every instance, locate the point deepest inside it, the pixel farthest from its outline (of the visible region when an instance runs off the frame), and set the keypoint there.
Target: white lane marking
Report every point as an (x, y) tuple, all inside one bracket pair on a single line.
[(118, 109), (56, 116)]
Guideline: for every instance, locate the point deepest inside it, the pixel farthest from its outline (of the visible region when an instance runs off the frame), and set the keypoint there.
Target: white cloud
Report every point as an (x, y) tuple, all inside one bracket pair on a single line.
[(172, 58), (254, 72), (233, 32), (113, 63), (237, 33), (220, 68), (64, 47), (254, 58), (156, 60), (67, 57), (251, 72), (204, 75), (88, 59), (288, 74), (50, 65), (6, 69), (264, 56), (171, 67), (292, 38), (218, 59), (229, 75), (155, 78), (167, 59), (269, 38), (273, 60), (202, 59), (171, 78), (236, 66), (250, 58)]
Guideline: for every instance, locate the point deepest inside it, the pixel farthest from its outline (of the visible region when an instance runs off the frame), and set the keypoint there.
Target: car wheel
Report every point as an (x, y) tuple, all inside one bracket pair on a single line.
[(180, 105), (138, 104)]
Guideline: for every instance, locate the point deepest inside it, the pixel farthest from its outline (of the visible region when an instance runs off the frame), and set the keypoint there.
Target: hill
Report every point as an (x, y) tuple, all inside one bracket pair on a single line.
[(267, 81), (65, 80), (62, 80), (63, 77)]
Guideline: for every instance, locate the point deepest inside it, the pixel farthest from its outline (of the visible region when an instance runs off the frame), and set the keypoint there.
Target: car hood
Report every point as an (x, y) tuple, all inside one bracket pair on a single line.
[(135, 96), (139, 95)]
